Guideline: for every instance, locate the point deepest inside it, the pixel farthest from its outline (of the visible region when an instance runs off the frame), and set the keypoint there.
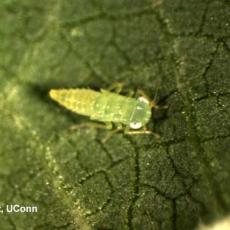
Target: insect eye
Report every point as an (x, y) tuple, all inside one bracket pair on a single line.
[(135, 125)]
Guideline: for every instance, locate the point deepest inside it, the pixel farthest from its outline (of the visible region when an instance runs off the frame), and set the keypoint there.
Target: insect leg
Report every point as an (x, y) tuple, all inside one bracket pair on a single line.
[(142, 131), (117, 87), (94, 125), (112, 132), (130, 93)]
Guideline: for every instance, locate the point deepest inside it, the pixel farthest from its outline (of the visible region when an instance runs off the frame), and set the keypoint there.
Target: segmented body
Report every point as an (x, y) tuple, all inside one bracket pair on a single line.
[(80, 101), (102, 106)]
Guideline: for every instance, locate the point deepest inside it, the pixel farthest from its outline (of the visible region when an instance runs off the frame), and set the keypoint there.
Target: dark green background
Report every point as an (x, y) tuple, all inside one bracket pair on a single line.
[(181, 48)]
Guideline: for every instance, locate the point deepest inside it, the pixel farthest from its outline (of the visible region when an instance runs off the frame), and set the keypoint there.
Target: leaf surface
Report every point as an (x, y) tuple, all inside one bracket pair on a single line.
[(179, 49)]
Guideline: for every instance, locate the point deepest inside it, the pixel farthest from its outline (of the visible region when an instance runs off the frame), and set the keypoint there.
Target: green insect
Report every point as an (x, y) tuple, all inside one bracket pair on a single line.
[(127, 113)]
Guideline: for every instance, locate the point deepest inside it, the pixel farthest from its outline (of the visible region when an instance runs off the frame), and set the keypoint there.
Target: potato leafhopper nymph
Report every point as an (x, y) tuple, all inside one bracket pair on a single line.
[(127, 113)]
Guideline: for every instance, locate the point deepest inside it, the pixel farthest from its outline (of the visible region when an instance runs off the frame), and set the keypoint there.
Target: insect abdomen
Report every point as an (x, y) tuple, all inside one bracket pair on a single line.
[(80, 101)]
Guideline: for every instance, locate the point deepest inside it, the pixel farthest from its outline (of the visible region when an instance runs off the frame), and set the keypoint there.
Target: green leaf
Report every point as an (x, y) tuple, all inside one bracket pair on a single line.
[(180, 49)]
